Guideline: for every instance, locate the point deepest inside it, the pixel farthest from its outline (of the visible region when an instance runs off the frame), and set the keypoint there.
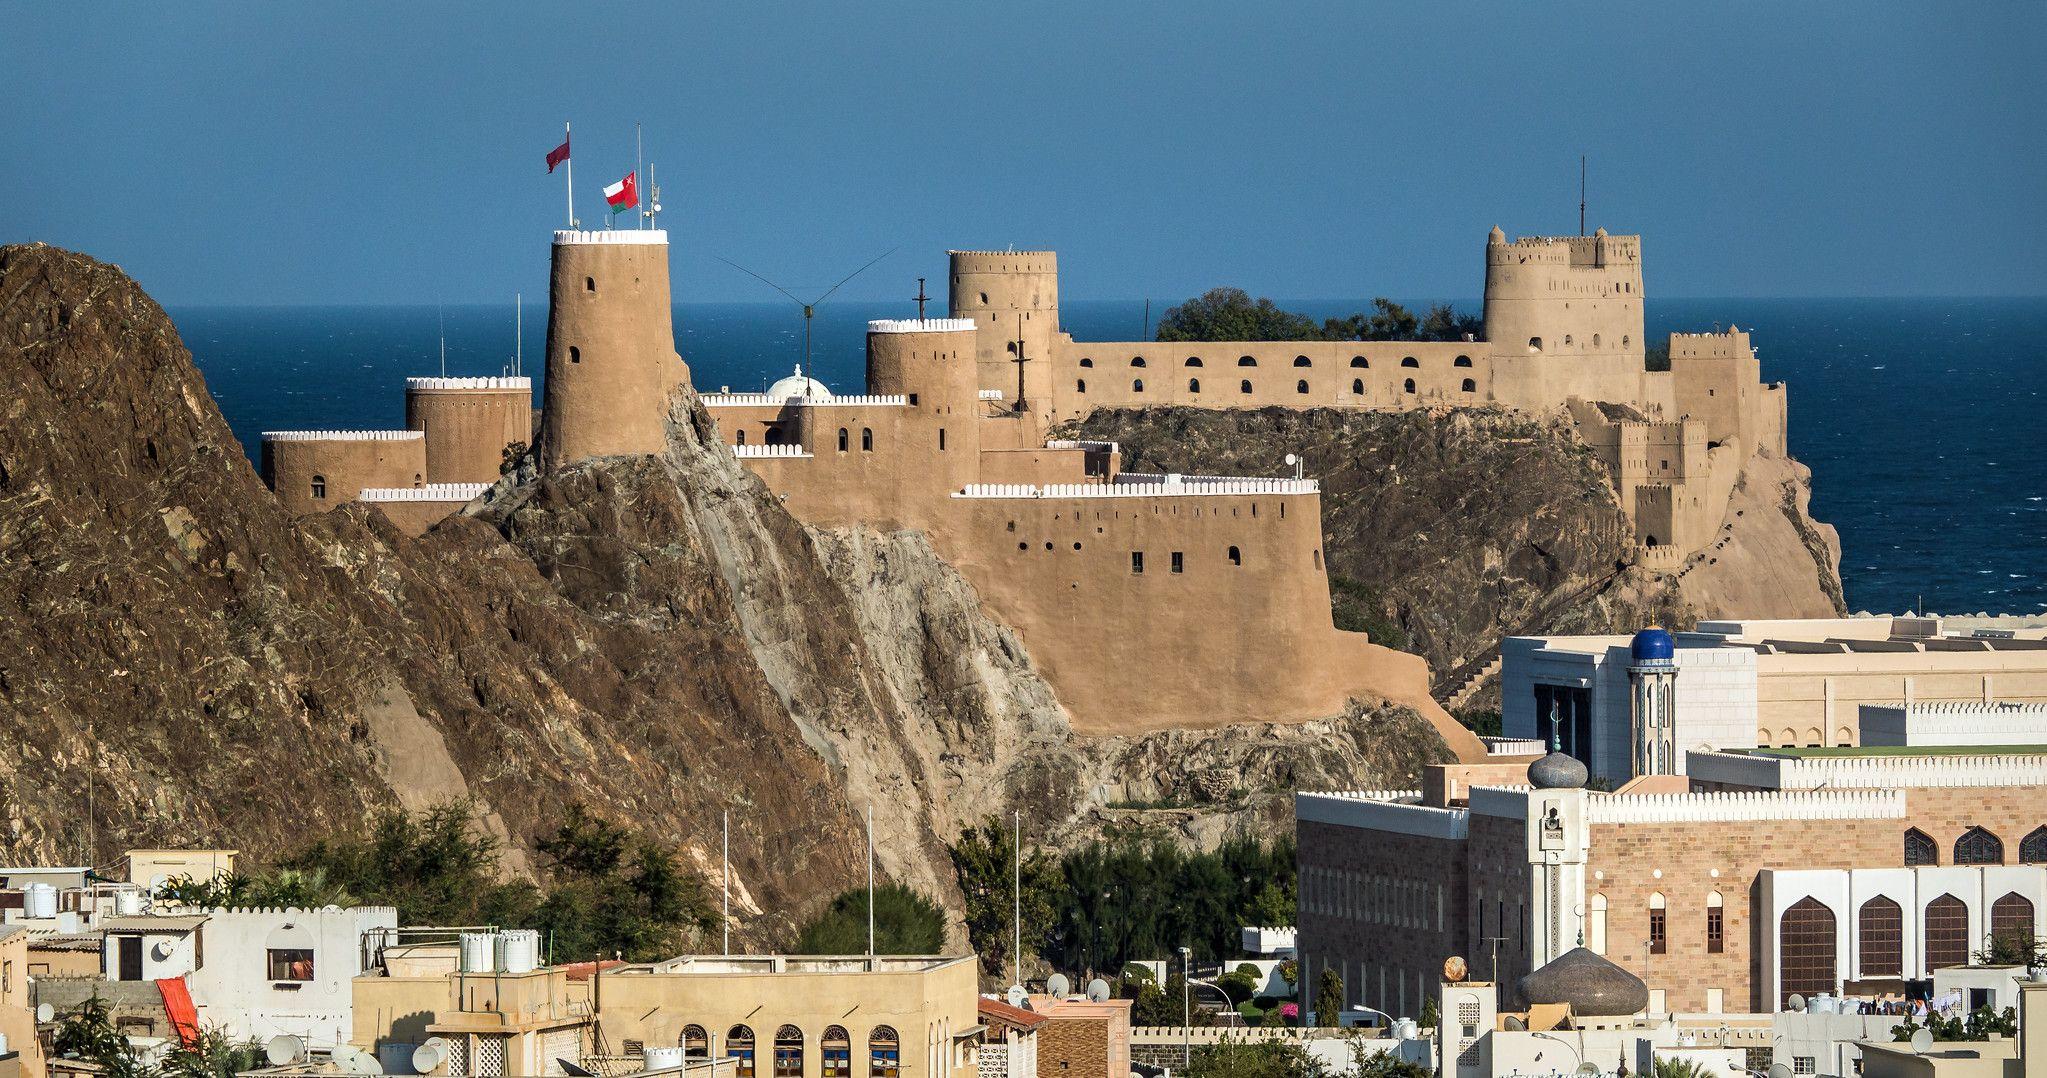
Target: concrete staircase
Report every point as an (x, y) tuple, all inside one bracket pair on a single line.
[(1459, 693)]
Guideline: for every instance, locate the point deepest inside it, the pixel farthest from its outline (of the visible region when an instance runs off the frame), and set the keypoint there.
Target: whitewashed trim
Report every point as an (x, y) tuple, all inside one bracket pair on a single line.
[(1765, 772), (1363, 810), (921, 325), (1514, 746), (770, 451), (734, 400), (471, 383), (432, 492), (638, 236), (991, 395), (1744, 807), (875, 400), (1121, 489), (1092, 447), (343, 435), (1504, 802)]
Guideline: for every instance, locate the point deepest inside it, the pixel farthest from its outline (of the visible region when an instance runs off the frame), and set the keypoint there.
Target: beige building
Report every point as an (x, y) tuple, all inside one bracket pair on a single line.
[(21, 1053), (2024, 1057)]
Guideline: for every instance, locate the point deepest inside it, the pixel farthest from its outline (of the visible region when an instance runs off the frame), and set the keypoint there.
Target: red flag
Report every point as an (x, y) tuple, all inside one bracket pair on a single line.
[(557, 155)]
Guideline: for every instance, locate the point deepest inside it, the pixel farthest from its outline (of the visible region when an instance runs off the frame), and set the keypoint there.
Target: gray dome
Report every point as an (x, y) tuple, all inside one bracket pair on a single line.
[(1557, 771), (1591, 985)]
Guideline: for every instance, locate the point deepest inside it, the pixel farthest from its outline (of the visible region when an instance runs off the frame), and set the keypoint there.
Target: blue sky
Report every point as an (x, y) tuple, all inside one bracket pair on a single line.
[(378, 153)]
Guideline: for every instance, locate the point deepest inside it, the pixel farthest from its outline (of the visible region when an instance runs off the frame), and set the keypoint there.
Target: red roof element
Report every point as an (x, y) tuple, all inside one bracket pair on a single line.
[(580, 971), (177, 1002), (996, 1012)]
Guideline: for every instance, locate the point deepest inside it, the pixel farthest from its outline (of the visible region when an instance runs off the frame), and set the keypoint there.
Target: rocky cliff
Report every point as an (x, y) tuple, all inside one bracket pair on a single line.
[(183, 663), (1447, 530)]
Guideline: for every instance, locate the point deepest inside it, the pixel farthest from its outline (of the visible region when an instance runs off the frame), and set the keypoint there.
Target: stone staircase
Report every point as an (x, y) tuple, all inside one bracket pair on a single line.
[(1459, 693)]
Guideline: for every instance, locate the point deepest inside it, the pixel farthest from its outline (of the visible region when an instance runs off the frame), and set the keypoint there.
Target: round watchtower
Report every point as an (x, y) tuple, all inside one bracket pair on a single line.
[(1013, 296), (315, 470), (611, 360), (930, 361), (468, 422)]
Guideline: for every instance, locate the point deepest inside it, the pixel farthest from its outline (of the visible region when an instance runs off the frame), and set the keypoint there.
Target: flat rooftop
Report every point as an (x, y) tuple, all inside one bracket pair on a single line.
[(1796, 753), (756, 965)]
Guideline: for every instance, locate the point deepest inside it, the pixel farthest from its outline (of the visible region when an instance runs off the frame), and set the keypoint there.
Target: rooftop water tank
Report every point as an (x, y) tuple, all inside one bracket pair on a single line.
[(663, 1057), (478, 952), (40, 900), (395, 1058), (128, 901), (518, 950)]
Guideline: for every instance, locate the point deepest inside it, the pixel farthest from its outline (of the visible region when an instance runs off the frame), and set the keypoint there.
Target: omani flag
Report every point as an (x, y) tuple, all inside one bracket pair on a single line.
[(623, 195)]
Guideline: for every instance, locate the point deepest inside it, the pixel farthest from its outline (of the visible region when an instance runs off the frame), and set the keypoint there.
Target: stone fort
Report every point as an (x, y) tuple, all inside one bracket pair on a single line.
[(1098, 569)]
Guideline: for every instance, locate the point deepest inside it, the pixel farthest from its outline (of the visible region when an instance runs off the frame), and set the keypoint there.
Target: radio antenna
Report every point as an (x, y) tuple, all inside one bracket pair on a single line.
[(1581, 194), (809, 308)]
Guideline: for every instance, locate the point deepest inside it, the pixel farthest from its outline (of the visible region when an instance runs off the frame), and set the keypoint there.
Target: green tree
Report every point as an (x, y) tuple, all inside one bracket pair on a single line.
[(906, 921), (1370, 1059), (1328, 999), (982, 863), (211, 1055), (88, 1034), (1149, 1004), (437, 867), (1232, 1058), (1673, 1067), (1230, 314), (617, 893)]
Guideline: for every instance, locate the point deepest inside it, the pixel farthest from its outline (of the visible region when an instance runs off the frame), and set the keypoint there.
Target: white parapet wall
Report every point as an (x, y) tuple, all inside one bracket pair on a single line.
[(343, 435), (737, 400), (921, 325), (1950, 723), (784, 451), (506, 382), (457, 493), (1092, 447), (649, 236), (1744, 807), (1393, 811), (1174, 486), (1763, 771)]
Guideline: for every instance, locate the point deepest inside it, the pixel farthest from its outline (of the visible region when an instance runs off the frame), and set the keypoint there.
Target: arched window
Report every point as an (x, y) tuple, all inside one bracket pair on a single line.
[(1080, 386), (739, 1046), (1087, 362), (1303, 361), (774, 436), (2011, 921), (1410, 361), (1567, 338), (1979, 847), (1624, 342), (1468, 386), (1535, 344), (1360, 362), (1357, 386), (788, 1052), (2033, 848), (1461, 361), (740, 438), (1880, 935), (1659, 927), (1137, 385), (1301, 386), (575, 354), (319, 486), (418, 480), (1947, 933), (845, 440), (696, 1044), (1246, 361), (837, 1049), (1716, 923), (884, 1053), (1408, 385), (589, 284), (1193, 385), (1236, 556), (1805, 951), (1194, 361), (1244, 386), (867, 439), (1595, 925), (1137, 361), (1595, 340)]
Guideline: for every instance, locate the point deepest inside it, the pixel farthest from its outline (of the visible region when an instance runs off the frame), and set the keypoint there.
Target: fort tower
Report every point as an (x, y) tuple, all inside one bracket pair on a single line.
[(930, 363), (1012, 296), (468, 422), (611, 360), (1564, 311)]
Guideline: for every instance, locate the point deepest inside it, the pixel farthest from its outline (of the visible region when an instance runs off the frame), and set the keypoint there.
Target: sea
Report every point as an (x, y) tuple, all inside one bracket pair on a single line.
[(1921, 419)]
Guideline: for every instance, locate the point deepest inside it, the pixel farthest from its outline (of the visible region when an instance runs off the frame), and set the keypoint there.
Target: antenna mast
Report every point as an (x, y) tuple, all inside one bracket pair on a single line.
[(443, 319), (1581, 194), (640, 165), (921, 299), (518, 333)]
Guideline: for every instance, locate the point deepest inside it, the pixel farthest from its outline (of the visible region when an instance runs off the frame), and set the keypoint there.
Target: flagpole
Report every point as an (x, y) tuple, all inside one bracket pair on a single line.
[(572, 173), (639, 166)]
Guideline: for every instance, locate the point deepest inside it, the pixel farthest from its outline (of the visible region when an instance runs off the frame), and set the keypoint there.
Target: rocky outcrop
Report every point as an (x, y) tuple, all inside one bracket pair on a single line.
[(1455, 528), (181, 662)]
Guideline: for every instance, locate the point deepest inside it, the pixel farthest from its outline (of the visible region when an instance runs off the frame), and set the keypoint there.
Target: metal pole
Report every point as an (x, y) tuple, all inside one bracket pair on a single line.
[(870, 874), (1016, 892), (518, 333), (728, 881), (1186, 1008), (572, 173), (639, 166)]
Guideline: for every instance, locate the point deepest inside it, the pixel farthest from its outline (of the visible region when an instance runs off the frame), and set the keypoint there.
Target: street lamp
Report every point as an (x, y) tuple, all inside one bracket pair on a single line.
[(1186, 1007), (1229, 1005)]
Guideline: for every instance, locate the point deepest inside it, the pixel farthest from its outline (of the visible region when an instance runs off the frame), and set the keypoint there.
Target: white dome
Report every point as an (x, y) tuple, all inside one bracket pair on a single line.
[(799, 386)]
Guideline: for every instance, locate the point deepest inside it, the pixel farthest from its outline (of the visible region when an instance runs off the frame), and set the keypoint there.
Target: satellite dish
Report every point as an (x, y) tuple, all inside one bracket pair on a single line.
[(1016, 995), (1922, 1040), (1780, 1070), (353, 1060), (46, 1013), (1098, 990), (1587, 1070), (428, 1057), (1292, 460), (1796, 1002), (282, 1049), (161, 950), (1058, 987)]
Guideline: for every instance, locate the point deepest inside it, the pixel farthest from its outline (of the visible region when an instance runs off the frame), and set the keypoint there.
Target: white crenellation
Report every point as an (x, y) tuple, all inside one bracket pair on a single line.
[(647, 236), (1765, 772), (769, 451), (991, 394), (733, 400), (1140, 490), (470, 383), (1092, 447), (432, 492), (1743, 807), (1514, 746), (342, 435), (921, 325)]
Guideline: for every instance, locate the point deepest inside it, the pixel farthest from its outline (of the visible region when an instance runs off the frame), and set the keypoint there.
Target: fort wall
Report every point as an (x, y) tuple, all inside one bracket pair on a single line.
[(413, 510), (611, 360), (312, 471), (468, 422)]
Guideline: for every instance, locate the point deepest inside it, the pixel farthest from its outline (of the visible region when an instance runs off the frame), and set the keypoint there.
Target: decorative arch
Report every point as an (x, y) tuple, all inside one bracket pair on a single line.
[(1301, 386), (319, 486), (1659, 926), (2033, 848), (2011, 920), (1535, 344), (1246, 361), (696, 1044), (1469, 386), (1461, 361), (788, 1052), (1244, 386), (836, 1050), (1357, 386), (1194, 361), (1411, 362), (1137, 361), (1080, 385), (1595, 925), (1408, 385), (1880, 937), (1978, 846), (1236, 556), (739, 1047), (867, 439), (1193, 385), (1716, 923), (884, 1053), (1947, 933), (845, 440), (740, 438), (1360, 362), (1805, 951), (1086, 362), (1137, 385), (1303, 361)]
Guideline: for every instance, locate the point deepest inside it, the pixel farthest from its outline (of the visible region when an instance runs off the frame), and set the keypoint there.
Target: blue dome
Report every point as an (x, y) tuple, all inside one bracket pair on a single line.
[(1652, 643)]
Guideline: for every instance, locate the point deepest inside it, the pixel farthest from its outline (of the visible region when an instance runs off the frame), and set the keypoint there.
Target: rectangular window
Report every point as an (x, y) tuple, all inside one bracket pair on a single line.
[(1804, 1064), (1656, 938), (1716, 931), (1178, 564), (941, 439), (1137, 561), (290, 963)]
